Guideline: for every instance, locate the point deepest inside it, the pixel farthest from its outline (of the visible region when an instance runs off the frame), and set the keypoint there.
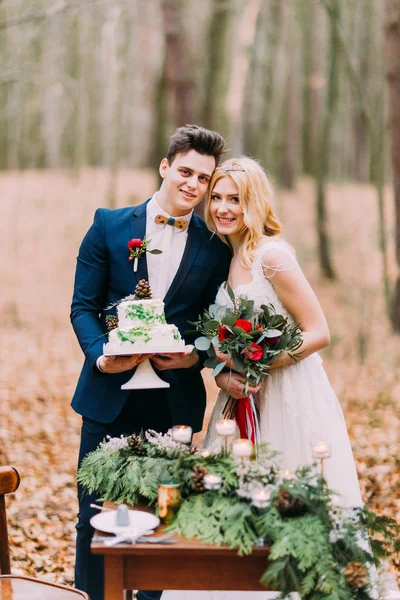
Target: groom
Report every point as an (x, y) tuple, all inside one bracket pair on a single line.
[(186, 275)]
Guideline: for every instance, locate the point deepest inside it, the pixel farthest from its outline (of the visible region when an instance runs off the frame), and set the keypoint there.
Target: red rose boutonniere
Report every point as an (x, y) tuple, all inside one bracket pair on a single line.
[(137, 248)]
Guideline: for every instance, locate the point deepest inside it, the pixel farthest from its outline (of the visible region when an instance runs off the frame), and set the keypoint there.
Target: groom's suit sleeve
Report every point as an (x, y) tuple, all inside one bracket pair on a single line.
[(90, 290)]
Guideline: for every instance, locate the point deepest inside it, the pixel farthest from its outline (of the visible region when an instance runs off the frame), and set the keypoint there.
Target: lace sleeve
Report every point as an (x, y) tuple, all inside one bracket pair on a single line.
[(278, 257)]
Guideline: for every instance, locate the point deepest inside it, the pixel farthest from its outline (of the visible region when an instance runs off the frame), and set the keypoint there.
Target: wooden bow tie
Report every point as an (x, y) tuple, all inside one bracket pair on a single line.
[(178, 223)]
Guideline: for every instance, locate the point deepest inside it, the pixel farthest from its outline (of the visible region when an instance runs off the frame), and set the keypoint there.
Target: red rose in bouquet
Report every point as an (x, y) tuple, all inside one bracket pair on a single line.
[(253, 352), (135, 243), (243, 324), (272, 340), (223, 333)]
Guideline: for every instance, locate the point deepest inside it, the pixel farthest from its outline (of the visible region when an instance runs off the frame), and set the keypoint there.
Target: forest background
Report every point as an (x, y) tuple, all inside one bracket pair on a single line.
[(90, 92)]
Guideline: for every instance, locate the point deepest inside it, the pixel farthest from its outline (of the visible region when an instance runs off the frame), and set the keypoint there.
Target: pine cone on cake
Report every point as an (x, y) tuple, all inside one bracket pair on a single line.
[(198, 478), (135, 445), (111, 322), (356, 575), (143, 290), (289, 506)]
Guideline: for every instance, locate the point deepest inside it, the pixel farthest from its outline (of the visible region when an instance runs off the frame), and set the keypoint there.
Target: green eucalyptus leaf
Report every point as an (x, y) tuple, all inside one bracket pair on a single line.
[(230, 291), (202, 343), (218, 368), (265, 309), (215, 342), (239, 364), (211, 325), (213, 310), (210, 363), (229, 320)]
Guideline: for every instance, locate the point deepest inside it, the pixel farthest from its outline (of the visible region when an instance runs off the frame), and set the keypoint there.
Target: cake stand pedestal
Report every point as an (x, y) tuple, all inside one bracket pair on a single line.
[(145, 378)]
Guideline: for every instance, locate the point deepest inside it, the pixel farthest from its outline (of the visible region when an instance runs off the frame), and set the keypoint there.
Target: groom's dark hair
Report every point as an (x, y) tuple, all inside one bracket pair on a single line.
[(193, 137)]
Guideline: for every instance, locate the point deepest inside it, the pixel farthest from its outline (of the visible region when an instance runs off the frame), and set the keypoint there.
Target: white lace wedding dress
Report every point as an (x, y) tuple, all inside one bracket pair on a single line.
[(298, 408)]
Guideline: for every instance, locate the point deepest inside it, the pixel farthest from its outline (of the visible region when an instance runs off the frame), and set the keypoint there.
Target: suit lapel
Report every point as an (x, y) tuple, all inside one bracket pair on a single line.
[(189, 256), (138, 230)]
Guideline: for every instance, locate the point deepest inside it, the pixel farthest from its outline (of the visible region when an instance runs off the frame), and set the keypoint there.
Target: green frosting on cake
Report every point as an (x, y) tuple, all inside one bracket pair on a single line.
[(134, 335), (148, 315)]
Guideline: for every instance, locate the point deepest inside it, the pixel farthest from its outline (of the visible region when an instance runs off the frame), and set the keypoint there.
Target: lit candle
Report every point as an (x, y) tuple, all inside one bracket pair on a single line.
[(182, 434), (206, 453), (260, 498), (225, 427), (242, 448), (321, 450), (212, 482), (289, 476)]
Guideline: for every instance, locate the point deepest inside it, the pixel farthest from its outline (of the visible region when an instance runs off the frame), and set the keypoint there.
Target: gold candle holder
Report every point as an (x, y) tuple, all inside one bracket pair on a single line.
[(169, 500)]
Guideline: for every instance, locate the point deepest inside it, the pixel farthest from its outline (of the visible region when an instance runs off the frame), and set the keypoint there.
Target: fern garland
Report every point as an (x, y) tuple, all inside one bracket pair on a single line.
[(315, 547)]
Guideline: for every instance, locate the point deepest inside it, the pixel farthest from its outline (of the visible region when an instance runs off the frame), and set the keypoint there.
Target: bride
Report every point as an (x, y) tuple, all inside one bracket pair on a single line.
[(297, 406)]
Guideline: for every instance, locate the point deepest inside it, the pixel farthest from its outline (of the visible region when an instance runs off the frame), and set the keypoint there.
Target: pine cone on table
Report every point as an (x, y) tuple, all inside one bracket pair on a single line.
[(198, 478), (143, 290), (135, 445), (356, 575), (111, 322), (289, 506)]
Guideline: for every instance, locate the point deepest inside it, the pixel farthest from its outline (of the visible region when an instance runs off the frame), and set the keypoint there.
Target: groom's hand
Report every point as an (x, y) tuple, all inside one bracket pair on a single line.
[(180, 360), (233, 384), (224, 358), (119, 364)]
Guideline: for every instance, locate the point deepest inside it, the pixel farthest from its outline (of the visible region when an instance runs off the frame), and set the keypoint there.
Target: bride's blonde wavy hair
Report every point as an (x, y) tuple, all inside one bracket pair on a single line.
[(256, 197)]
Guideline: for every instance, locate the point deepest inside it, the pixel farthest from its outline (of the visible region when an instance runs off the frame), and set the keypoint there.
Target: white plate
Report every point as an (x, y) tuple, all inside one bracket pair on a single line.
[(105, 521)]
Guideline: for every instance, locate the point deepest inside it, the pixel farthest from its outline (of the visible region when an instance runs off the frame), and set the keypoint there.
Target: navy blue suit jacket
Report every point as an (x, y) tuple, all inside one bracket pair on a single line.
[(105, 275)]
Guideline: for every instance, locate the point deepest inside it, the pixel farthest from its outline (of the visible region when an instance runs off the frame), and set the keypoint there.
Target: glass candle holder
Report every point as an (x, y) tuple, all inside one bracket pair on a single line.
[(225, 428), (182, 434), (212, 482)]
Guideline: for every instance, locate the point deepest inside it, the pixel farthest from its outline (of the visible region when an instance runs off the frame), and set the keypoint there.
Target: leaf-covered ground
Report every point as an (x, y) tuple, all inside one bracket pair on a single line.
[(45, 216)]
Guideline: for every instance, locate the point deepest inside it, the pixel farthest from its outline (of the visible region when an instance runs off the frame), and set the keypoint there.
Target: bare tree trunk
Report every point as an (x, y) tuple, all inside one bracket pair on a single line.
[(322, 160), (178, 78), (240, 67), (291, 124), (112, 101), (82, 101), (392, 50), (217, 70)]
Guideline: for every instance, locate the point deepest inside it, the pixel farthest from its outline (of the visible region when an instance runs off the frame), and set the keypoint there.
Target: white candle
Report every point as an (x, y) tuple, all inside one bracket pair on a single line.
[(242, 448), (289, 476), (225, 427), (212, 482), (182, 434), (261, 498), (321, 450), (206, 453)]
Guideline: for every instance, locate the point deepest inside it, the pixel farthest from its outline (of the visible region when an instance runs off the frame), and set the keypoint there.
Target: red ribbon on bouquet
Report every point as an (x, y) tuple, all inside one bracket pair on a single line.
[(247, 420)]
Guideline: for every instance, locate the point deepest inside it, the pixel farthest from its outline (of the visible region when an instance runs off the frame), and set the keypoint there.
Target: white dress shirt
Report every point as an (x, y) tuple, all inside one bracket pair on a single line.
[(171, 241)]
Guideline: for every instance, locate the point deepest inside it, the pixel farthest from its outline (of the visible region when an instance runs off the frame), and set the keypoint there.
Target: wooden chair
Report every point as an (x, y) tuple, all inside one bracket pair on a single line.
[(14, 587)]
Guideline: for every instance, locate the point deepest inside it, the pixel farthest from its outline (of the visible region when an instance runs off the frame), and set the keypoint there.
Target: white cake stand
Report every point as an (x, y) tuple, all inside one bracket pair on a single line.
[(145, 378)]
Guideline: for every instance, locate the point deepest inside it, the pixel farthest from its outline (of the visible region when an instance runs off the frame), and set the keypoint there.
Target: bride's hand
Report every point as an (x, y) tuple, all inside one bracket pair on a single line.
[(233, 384), (224, 358)]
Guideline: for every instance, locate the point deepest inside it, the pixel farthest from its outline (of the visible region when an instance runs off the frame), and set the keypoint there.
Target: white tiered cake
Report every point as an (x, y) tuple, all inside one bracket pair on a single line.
[(142, 329)]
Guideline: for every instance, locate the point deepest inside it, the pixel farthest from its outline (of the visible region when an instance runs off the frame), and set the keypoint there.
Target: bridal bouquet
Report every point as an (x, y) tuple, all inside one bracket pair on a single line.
[(252, 340)]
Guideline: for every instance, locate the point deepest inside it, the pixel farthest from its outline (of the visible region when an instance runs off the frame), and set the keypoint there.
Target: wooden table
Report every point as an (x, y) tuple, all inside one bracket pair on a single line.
[(186, 565)]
